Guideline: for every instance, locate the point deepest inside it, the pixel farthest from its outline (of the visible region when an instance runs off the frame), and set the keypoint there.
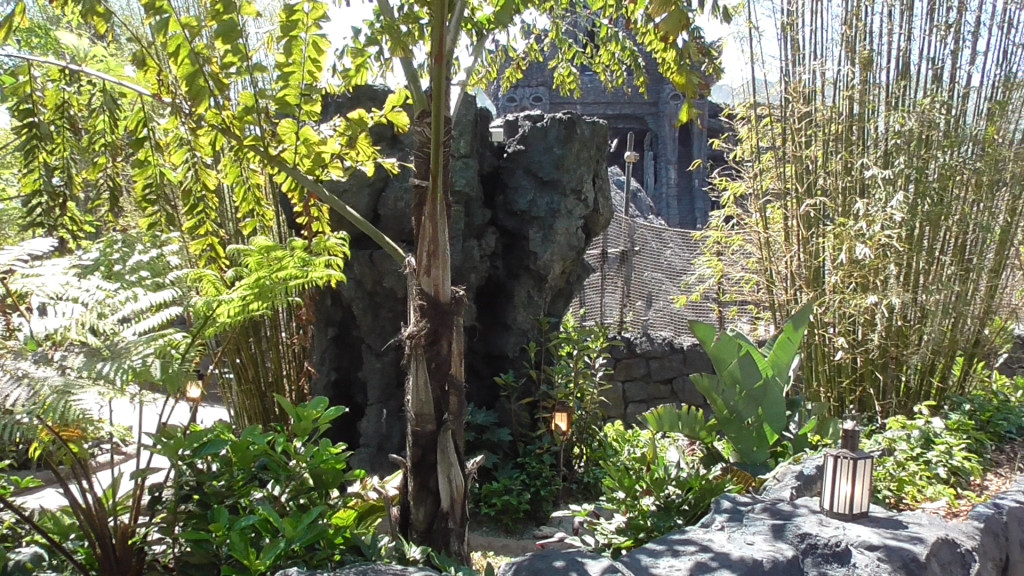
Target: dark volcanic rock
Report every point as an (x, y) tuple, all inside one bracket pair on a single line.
[(750, 536), (522, 216), (641, 207), (793, 481), (365, 569), (562, 563)]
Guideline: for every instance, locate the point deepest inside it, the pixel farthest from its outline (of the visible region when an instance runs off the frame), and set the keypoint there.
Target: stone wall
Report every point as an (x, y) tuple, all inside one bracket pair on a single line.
[(647, 370)]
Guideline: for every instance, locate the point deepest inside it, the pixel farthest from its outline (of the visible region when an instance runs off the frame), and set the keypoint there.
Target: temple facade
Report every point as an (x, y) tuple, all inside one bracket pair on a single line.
[(667, 151)]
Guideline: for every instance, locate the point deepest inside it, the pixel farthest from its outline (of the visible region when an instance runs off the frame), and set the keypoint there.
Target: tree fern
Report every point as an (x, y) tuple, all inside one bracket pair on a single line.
[(34, 388), (267, 276)]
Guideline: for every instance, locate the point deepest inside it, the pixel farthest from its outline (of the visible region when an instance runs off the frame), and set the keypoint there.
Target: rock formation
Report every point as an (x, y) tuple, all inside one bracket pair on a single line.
[(782, 533), (641, 207), (523, 213)]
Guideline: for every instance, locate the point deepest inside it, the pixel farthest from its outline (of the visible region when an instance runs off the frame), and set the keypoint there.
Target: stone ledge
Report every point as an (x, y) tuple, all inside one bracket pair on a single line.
[(755, 536)]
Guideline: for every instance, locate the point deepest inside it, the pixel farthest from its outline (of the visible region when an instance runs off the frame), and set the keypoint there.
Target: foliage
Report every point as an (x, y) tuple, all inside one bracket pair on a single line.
[(37, 383), (572, 369), (250, 503), (34, 390), (260, 501), (925, 458), (167, 116), (569, 367), (524, 491), (759, 421), (106, 525), (995, 406), (889, 190), (654, 484), (206, 117), (938, 454), (10, 209), (486, 436), (18, 553)]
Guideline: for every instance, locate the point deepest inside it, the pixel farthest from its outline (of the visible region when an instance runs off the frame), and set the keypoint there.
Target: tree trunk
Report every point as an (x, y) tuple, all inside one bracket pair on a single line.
[(434, 508)]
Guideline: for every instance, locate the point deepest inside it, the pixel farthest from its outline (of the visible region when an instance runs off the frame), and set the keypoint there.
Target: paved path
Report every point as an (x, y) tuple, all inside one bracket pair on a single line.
[(126, 412)]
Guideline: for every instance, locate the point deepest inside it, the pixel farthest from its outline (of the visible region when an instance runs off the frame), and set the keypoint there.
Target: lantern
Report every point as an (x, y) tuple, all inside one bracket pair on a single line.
[(194, 388), (497, 131), (846, 486), (561, 419)]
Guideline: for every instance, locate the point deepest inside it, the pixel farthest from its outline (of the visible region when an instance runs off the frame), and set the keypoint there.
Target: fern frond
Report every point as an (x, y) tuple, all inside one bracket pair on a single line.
[(18, 257), (267, 276), (31, 389)]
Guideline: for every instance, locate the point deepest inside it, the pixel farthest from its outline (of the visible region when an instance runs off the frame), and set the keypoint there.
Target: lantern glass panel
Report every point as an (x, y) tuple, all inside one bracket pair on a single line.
[(193, 390), (846, 485), (560, 422)]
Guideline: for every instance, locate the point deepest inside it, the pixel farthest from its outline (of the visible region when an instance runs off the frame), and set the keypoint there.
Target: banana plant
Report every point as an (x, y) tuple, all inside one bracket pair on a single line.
[(754, 423)]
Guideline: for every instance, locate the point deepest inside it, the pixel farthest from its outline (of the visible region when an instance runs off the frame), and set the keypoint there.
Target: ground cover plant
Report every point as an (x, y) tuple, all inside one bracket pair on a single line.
[(940, 453), (535, 470), (654, 483)]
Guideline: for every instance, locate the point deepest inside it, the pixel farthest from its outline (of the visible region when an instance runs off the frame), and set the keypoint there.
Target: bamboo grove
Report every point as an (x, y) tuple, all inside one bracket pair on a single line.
[(882, 176)]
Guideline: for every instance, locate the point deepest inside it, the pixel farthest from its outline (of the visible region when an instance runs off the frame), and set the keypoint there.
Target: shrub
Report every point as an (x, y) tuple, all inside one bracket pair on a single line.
[(654, 484), (758, 421), (526, 491), (569, 368), (996, 407), (925, 458), (261, 501)]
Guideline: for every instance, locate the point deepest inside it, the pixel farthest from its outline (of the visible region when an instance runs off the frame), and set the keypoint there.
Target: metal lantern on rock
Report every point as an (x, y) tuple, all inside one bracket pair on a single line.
[(847, 482), (561, 419)]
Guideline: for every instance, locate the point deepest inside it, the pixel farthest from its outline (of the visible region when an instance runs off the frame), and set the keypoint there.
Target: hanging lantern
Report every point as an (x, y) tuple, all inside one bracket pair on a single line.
[(561, 419), (847, 483)]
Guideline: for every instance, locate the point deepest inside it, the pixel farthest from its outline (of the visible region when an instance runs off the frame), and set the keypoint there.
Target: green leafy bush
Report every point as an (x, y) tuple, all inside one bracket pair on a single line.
[(523, 492), (758, 422), (261, 501), (486, 436), (996, 407), (926, 458), (654, 484), (568, 367)]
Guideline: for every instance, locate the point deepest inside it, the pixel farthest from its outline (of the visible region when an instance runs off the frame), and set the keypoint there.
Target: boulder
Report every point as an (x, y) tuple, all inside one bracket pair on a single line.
[(364, 569), (641, 207), (1000, 528), (714, 554), (792, 481), (754, 537), (562, 563)]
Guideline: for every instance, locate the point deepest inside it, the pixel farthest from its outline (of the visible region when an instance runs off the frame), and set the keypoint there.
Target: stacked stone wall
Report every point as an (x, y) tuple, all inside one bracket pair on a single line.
[(648, 370)]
